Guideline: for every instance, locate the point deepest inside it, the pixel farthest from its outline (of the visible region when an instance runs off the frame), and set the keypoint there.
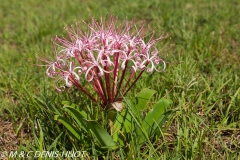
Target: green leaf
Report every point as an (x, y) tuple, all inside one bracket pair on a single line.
[(78, 116), (101, 134), (118, 123), (154, 119), (142, 99), (121, 126), (159, 123), (66, 103), (155, 114), (155, 129), (68, 125)]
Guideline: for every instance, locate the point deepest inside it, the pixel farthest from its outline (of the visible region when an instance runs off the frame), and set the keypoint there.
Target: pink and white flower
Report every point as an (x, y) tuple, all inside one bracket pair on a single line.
[(110, 57)]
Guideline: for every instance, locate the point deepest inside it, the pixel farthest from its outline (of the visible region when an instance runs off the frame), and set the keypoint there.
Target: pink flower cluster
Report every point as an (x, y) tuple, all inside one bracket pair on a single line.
[(108, 58)]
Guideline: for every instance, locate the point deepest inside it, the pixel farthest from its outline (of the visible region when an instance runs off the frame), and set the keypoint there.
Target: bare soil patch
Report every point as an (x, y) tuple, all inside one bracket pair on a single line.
[(9, 140)]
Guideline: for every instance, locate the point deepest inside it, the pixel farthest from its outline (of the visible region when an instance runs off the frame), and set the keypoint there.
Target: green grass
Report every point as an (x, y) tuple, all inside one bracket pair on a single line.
[(202, 75)]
